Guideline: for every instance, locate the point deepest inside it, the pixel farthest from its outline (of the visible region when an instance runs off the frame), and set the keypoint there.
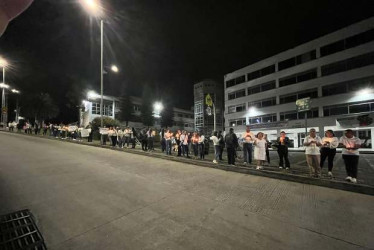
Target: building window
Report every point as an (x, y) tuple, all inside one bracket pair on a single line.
[(262, 72), (348, 43), (237, 122), (136, 108), (348, 64), (262, 119), (294, 115), (236, 108), (348, 86), (300, 77), (236, 94), (261, 87), (107, 108), (235, 81), (312, 93), (263, 103), (300, 59), (352, 108)]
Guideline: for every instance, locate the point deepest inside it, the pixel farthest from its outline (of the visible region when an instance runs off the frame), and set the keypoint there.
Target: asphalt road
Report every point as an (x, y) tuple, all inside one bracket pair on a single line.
[(92, 198)]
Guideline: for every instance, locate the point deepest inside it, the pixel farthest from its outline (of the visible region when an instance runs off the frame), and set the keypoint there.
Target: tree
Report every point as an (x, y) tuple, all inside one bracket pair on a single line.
[(107, 122), (147, 107), (167, 115), (126, 109), (39, 107)]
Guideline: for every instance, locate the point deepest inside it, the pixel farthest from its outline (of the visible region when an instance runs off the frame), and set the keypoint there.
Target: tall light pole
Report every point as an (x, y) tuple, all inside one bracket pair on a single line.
[(15, 91), (4, 111), (94, 8)]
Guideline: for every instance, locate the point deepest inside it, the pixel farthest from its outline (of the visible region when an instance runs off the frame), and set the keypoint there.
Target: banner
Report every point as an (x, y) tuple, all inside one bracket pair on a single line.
[(104, 131), (72, 128), (85, 132)]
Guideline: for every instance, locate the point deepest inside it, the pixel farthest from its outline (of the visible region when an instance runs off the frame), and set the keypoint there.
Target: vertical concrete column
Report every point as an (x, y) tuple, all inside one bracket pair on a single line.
[(114, 108)]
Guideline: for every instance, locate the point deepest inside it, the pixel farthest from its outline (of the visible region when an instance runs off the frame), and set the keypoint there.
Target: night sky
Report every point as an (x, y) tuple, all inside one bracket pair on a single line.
[(169, 45)]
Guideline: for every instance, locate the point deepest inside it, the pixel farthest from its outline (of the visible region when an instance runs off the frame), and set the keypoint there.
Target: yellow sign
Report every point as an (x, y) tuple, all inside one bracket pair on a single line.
[(208, 100)]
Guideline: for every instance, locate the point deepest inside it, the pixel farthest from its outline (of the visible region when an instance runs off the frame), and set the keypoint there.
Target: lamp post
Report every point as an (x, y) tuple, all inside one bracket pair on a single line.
[(94, 8), (15, 91), (4, 111)]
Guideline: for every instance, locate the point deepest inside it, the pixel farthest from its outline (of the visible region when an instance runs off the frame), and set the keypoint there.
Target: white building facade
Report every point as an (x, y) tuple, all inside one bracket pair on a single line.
[(183, 119), (336, 71)]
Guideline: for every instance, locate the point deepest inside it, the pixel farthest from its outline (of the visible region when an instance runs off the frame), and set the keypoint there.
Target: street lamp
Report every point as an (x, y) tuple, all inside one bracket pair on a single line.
[(15, 91), (114, 68), (3, 64), (157, 108), (94, 8)]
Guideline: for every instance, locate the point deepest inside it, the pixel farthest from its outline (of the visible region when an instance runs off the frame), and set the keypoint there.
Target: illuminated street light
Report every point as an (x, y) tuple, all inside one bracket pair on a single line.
[(114, 68), (15, 91), (3, 62), (4, 86), (92, 95), (93, 7), (157, 108)]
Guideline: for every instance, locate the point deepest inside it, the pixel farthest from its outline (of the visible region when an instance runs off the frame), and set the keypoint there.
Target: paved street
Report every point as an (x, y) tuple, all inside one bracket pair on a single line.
[(92, 198)]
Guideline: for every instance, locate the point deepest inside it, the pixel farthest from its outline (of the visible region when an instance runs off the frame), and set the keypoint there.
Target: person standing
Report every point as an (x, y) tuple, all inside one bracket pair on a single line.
[(328, 150), (221, 144), (267, 149), (195, 144), (248, 138), (178, 142), (201, 144), (184, 142), (120, 137), (217, 150), (282, 143), (167, 137), (312, 151), (163, 142), (260, 150), (144, 139), (350, 154), (150, 135), (231, 142), (127, 136)]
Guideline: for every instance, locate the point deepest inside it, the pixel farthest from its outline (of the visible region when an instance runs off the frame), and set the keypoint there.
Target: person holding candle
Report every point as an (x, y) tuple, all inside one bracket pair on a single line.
[(248, 139), (260, 150), (282, 144), (350, 154), (328, 150), (312, 143)]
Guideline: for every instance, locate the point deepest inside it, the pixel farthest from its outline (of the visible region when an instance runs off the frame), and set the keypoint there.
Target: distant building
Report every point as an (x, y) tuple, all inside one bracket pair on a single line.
[(203, 121), (336, 71), (183, 119)]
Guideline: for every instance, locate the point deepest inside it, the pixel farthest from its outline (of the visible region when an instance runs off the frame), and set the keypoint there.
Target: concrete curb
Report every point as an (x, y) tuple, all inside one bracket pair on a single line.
[(346, 186)]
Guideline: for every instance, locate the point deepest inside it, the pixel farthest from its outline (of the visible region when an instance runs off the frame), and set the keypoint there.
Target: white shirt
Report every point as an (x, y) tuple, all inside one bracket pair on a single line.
[(201, 139), (350, 143), (215, 140), (312, 149), (333, 142)]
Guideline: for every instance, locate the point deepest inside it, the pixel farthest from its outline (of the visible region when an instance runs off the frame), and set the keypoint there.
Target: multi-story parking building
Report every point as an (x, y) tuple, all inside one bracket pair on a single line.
[(183, 119), (336, 71), (204, 122)]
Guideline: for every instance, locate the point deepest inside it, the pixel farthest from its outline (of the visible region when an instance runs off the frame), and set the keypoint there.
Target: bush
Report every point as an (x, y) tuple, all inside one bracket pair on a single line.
[(107, 122)]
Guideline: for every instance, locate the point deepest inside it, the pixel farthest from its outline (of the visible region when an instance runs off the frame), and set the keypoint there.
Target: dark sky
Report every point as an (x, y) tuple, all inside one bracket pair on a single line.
[(169, 45)]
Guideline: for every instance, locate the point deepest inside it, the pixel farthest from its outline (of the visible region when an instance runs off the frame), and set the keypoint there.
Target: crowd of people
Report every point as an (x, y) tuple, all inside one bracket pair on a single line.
[(195, 145), (317, 150)]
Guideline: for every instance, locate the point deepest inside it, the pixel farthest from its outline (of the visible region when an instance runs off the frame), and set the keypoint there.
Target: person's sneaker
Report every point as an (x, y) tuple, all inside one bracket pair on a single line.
[(354, 180), (280, 167), (287, 168), (245, 163), (214, 161), (348, 178), (329, 174), (258, 168)]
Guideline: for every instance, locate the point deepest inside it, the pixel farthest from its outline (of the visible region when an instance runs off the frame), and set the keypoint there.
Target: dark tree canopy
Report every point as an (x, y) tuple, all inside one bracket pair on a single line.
[(167, 115), (126, 109), (39, 107), (147, 107)]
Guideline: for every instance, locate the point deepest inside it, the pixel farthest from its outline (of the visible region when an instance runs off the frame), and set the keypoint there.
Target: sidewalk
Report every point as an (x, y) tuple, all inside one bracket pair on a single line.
[(298, 173)]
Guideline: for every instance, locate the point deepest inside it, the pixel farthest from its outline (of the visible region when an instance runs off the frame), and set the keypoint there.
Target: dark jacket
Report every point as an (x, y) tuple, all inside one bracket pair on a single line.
[(231, 140), (286, 142)]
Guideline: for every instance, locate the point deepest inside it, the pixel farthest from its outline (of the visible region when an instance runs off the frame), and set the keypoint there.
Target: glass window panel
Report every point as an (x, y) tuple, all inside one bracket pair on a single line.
[(359, 108)]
